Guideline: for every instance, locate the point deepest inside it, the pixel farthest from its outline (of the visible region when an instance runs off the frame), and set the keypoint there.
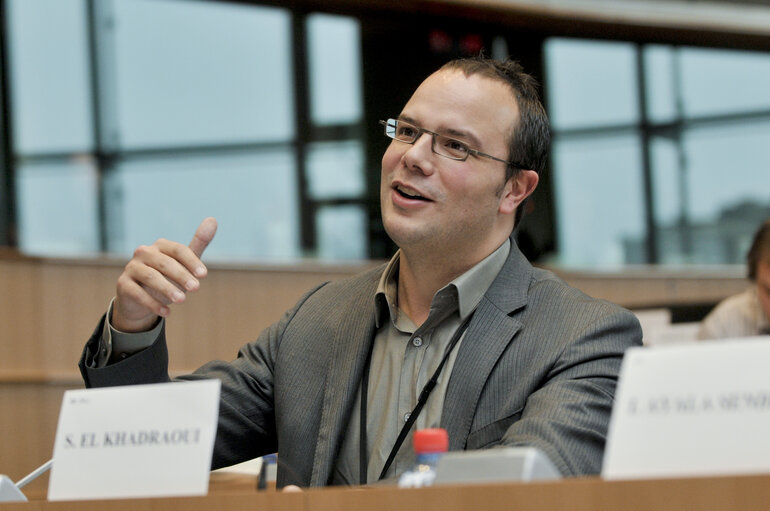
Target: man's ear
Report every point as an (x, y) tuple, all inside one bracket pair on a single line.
[(516, 189)]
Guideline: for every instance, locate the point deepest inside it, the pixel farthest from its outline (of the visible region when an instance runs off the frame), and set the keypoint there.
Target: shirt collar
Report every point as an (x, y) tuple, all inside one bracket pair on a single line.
[(385, 299), (473, 284), (466, 290)]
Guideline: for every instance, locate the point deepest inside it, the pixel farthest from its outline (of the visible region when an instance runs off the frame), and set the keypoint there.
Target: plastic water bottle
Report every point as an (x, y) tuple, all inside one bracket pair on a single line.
[(429, 446)]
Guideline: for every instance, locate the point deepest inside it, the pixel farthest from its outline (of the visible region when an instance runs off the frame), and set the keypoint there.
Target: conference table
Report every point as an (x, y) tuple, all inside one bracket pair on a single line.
[(236, 492)]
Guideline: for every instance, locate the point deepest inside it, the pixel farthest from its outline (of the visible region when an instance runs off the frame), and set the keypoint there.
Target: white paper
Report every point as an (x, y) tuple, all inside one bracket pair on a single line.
[(692, 410), (135, 441)]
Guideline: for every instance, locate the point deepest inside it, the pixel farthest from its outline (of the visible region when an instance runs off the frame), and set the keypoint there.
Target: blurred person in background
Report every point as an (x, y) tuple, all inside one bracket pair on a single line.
[(745, 314)]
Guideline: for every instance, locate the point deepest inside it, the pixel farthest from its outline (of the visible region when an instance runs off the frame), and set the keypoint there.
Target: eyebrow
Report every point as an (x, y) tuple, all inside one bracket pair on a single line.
[(472, 139)]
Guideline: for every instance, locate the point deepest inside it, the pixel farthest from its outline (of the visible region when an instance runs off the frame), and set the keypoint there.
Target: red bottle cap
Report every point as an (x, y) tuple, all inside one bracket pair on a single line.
[(430, 440)]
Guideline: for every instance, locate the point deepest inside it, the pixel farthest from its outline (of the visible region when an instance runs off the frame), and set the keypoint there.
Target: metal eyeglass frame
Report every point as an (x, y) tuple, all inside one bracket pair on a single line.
[(393, 123)]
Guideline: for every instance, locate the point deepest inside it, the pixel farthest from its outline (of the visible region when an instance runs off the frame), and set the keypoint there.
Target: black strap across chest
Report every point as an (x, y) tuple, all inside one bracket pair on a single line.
[(424, 395)]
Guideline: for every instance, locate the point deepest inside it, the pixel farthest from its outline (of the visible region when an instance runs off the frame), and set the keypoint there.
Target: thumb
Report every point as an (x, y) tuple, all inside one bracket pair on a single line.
[(203, 236)]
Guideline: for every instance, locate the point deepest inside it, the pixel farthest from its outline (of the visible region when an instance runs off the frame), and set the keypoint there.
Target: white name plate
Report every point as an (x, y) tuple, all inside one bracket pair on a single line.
[(135, 441), (692, 410)]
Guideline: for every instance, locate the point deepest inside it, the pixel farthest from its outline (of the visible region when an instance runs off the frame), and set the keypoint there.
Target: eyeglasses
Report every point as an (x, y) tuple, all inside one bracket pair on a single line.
[(442, 145)]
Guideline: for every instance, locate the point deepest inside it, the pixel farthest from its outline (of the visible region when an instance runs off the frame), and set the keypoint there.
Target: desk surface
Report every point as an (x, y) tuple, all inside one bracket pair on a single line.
[(235, 493)]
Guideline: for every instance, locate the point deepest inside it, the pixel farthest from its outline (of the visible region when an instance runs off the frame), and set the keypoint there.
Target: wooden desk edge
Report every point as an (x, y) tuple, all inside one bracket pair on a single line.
[(238, 492)]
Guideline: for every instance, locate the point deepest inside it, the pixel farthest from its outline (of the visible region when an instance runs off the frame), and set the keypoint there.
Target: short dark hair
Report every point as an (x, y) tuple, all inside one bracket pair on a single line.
[(760, 249), (530, 138)]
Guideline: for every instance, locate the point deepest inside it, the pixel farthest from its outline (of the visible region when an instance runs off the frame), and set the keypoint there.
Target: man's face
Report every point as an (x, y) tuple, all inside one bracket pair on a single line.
[(763, 285), (432, 202)]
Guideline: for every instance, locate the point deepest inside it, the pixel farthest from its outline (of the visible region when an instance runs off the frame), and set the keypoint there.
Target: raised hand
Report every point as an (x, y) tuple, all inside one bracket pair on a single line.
[(157, 276)]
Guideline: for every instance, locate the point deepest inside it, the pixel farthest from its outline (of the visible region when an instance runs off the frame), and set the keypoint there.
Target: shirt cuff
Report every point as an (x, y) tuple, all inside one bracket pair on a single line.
[(116, 345)]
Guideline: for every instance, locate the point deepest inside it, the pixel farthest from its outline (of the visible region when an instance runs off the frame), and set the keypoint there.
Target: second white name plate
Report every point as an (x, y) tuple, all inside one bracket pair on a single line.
[(691, 410)]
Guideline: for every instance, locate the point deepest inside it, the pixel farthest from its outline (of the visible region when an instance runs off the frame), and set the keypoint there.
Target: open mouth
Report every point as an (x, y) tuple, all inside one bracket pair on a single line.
[(409, 194)]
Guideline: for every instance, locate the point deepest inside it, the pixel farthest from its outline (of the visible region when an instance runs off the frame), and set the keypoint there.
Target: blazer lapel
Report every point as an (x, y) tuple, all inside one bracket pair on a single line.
[(490, 332), (352, 341)]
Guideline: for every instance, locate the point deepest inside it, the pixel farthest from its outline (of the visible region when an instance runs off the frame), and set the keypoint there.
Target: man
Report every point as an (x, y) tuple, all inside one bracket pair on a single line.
[(519, 358), (745, 314)]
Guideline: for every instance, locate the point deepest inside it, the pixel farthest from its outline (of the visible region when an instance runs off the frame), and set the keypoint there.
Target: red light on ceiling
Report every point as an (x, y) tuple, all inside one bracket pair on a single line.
[(439, 41), (471, 44)]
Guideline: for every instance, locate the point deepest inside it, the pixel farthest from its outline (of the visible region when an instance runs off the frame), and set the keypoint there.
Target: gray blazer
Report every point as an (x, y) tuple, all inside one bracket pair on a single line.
[(538, 366)]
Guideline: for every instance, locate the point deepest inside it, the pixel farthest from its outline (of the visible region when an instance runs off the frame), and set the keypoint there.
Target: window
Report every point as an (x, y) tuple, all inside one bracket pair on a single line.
[(48, 78), (660, 153), (58, 207), (335, 69), (126, 131), (55, 185), (250, 193), (222, 76), (204, 121), (334, 163)]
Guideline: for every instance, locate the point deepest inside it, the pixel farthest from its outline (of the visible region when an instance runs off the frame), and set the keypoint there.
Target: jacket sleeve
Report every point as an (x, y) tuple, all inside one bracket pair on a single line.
[(246, 427), (567, 417), (147, 366)]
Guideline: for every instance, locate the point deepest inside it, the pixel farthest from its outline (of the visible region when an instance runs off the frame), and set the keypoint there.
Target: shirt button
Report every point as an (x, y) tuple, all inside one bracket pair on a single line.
[(417, 341), (406, 416)]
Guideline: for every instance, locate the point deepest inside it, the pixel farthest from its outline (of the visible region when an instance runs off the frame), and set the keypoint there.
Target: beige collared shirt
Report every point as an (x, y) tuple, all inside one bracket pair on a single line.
[(404, 358), (739, 315)]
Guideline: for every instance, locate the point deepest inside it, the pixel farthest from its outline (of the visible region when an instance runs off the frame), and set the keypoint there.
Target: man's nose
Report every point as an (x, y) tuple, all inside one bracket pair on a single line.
[(424, 142), (419, 156)]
